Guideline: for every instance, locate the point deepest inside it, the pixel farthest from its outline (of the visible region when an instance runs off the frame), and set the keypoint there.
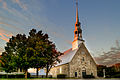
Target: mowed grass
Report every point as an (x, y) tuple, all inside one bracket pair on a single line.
[(26, 79), (19, 79), (15, 79)]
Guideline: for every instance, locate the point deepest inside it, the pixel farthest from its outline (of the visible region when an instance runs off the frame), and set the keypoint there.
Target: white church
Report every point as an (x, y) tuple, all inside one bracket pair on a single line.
[(77, 61)]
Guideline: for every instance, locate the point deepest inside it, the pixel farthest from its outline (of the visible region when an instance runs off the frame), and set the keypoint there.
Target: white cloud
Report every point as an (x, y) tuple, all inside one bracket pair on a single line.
[(109, 58)]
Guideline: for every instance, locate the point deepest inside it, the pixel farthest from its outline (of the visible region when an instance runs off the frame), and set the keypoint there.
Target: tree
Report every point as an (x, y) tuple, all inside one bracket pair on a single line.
[(7, 62), (45, 51), (34, 51), (16, 54), (100, 69), (36, 42), (52, 57)]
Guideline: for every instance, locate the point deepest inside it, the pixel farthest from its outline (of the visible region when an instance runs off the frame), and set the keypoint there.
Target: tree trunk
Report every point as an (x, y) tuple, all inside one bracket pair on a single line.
[(7, 75), (37, 72), (46, 74), (26, 74), (47, 71)]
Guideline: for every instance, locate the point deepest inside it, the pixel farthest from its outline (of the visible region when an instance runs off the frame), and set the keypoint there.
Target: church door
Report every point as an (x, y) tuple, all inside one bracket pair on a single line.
[(83, 72)]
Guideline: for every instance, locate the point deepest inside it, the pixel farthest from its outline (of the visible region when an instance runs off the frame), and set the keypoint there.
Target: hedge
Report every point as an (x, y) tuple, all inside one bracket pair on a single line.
[(61, 75)]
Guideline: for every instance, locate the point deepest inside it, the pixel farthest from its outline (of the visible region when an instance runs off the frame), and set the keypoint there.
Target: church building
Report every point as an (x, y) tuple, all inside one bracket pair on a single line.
[(77, 61)]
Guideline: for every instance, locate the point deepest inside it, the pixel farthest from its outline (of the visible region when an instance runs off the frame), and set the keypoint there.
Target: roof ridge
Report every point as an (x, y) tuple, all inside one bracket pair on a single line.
[(67, 50)]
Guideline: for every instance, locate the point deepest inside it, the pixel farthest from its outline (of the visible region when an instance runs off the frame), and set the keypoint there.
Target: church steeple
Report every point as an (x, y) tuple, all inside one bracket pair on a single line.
[(78, 31)]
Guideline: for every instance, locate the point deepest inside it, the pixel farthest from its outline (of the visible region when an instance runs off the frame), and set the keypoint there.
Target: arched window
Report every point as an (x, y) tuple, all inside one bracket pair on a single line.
[(83, 59), (75, 74)]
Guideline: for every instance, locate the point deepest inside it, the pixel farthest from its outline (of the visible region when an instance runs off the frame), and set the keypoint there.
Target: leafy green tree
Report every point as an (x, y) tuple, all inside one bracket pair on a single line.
[(100, 70), (45, 52), (35, 38), (7, 62), (16, 54), (52, 57), (34, 51), (110, 71)]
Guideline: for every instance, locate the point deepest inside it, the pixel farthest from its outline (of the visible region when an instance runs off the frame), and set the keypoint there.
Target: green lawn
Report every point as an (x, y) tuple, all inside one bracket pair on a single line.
[(14, 79), (58, 79), (25, 79)]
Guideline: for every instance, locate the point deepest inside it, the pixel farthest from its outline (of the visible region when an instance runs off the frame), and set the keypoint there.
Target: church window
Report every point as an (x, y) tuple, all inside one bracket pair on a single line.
[(60, 70), (83, 59), (91, 74), (75, 74)]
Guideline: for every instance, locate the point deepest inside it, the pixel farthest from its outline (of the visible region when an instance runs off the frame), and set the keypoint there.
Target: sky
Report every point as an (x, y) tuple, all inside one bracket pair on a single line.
[(100, 21)]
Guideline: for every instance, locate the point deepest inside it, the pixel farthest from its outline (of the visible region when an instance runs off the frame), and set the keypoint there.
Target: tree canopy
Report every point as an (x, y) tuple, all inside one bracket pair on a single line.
[(34, 51)]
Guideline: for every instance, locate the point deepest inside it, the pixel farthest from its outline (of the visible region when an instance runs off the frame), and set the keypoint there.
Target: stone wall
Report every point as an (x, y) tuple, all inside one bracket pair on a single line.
[(62, 69), (82, 61)]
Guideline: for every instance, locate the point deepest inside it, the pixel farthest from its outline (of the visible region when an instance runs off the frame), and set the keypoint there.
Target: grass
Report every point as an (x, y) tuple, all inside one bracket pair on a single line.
[(24, 78), (56, 78)]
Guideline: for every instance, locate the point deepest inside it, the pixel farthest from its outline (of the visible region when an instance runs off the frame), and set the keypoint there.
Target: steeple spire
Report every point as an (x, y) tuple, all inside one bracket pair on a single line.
[(77, 17), (78, 31)]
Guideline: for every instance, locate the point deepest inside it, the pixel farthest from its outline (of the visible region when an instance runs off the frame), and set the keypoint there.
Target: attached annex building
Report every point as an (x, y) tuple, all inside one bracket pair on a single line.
[(77, 61)]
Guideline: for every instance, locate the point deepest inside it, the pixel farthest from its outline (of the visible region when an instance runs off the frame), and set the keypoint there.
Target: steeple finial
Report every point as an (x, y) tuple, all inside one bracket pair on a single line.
[(77, 17)]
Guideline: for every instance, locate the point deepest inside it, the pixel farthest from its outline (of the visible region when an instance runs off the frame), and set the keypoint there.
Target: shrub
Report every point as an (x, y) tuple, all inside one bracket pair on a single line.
[(3, 76), (88, 76), (19, 76), (116, 76), (61, 75), (12, 76), (107, 76)]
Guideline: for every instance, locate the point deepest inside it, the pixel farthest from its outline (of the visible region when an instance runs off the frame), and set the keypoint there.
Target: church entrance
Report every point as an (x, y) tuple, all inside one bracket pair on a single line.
[(83, 72)]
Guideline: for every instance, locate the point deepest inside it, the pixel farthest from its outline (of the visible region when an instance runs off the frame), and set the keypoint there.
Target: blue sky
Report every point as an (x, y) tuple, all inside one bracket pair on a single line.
[(100, 21)]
